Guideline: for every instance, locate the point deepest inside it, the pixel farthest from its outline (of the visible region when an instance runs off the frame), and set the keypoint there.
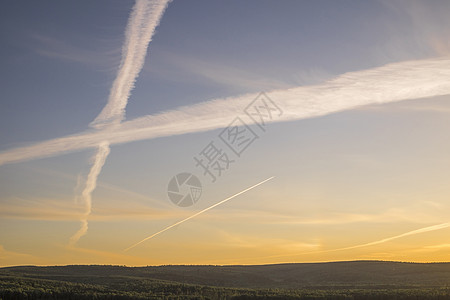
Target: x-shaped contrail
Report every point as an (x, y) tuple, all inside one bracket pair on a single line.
[(141, 26), (389, 83)]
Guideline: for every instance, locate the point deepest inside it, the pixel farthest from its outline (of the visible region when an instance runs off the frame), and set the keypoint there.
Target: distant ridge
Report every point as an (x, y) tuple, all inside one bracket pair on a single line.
[(357, 280), (363, 273)]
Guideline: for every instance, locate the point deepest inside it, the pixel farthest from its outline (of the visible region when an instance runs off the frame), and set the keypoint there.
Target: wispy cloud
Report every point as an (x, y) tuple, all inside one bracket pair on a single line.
[(430, 22), (416, 212), (16, 258), (91, 184), (54, 48), (373, 243), (421, 28), (439, 105), (438, 247), (118, 190), (39, 209), (390, 83), (60, 209), (91, 256), (219, 73), (237, 240)]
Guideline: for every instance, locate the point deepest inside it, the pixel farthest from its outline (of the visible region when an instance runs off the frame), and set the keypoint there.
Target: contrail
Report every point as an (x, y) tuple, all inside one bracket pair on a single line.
[(198, 213), (91, 183), (389, 83), (413, 232), (142, 23)]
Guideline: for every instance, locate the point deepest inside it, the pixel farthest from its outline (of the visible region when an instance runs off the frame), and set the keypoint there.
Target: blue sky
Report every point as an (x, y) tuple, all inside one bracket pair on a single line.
[(359, 175), (200, 52)]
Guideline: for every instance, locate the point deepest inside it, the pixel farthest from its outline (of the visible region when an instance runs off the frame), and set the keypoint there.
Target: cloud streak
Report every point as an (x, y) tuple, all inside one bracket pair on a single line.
[(377, 242), (198, 213), (142, 23), (385, 240), (389, 83), (91, 184)]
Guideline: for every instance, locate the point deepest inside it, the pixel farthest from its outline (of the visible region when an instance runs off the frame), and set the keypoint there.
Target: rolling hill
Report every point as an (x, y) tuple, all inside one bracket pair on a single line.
[(344, 280)]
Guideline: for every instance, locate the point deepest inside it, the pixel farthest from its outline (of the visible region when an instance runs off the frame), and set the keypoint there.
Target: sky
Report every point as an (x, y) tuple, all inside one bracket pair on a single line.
[(103, 103)]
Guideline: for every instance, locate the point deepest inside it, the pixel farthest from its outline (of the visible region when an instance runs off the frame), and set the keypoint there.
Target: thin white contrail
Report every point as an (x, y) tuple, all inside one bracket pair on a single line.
[(389, 83), (377, 242), (199, 213), (413, 232), (90, 185), (142, 23)]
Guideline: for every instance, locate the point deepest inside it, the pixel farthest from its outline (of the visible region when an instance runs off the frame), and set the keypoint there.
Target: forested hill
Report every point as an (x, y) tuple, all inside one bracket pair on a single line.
[(354, 273), (279, 280)]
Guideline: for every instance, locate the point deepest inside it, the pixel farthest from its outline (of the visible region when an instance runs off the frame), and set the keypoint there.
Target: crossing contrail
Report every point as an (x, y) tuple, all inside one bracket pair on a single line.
[(198, 213), (389, 83), (143, 20)]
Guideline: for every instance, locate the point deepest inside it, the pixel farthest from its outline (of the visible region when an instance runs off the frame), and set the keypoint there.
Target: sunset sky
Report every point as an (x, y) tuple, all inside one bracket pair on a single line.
[(358, 174)]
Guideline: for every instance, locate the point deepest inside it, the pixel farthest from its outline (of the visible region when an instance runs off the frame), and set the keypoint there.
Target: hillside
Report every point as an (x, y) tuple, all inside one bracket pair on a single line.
[(326, 280)]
